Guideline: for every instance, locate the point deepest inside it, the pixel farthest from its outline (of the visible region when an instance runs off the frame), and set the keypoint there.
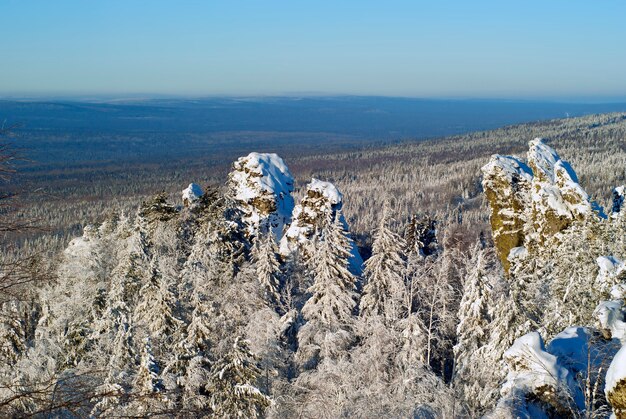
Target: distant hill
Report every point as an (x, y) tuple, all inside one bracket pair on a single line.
[(62, 133)]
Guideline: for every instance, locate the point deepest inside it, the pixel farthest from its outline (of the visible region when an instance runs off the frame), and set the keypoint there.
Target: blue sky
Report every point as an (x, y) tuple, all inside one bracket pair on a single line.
[(479, 49)]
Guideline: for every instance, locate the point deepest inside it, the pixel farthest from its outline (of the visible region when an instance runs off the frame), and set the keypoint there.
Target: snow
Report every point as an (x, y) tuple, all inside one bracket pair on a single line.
[(262, 172), (192, 193), (611, 317), (327, 189), (618, 292), (616, 371), (323, 202), (579, 348), (517, 253), (532, 368), (509, 165), (543, 157)]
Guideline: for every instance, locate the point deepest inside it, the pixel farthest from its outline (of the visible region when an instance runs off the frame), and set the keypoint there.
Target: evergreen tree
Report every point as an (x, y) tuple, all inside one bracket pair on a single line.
[(265, 256), (12, 334), (333, 293), (233, 385), (473, 331), (330, 309), (155, 309), (384, 289)]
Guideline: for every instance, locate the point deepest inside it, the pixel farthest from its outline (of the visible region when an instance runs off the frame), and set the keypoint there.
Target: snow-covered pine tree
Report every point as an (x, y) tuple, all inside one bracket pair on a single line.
[(155, 308), (233, 385), (421, 235), (190, 361), (265, 257), (383, 293), (330, 309), (12, 335), (147, 394), (333, 293), (470, 370)]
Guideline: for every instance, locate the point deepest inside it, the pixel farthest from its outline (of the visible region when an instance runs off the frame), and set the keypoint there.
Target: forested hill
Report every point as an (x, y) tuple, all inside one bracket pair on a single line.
[(248, 299), (59, 133)]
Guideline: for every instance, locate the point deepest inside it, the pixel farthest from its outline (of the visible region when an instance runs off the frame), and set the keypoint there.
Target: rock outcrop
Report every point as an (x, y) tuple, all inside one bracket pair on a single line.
[(192, 194), (536, 380), (532, 202), (319, 205), (615, 386), (507, 181), (261, 184)]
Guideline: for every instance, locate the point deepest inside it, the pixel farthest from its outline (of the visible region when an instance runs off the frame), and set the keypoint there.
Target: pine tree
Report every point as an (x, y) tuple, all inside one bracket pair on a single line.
[(233, 385), (190, 361), (330, 309), (147, 380), (265, 256), (155, 309), (384, 289), (473, 332), (12, 334), (333, 293)]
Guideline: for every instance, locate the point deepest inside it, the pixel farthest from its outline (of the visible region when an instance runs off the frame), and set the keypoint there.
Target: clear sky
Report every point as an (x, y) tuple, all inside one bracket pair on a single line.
[(438, 48)]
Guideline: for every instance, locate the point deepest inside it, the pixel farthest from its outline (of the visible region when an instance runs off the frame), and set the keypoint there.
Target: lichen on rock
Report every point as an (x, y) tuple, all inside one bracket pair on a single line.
[(506, 181)]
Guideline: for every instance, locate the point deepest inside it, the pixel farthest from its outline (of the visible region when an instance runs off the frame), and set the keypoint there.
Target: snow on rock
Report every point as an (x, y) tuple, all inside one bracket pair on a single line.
[(506, 181), (542, 159), (192, 194), (557, 197), (615, 384), (534, 371), (618, 200), (262, 185), (612, 272), (517, 253), (531, 203), (319, 205), (610, 315)]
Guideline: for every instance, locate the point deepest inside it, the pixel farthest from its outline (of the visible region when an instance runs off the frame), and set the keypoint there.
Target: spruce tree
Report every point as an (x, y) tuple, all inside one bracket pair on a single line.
[(470, 369), (333, 293), (233, 385), (265, 256), (384, 289)]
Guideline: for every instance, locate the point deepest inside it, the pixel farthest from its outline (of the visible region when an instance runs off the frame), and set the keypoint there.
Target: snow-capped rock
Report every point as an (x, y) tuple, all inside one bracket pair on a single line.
[(192, 194), (506, 181), (615, 384), (531, 203), (581, 348), (542, 159), (320, 203), (557, 197), (534, 371), (262, 185)]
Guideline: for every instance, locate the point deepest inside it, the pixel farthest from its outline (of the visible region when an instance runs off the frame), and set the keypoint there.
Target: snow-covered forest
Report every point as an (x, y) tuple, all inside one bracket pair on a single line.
[(429, 280)]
